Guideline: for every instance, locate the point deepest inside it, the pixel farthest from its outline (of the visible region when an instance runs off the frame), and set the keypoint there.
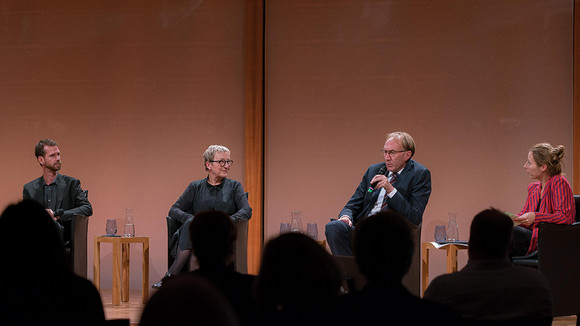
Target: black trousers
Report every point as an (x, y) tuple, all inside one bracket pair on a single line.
[(521, 241), (338, 237)]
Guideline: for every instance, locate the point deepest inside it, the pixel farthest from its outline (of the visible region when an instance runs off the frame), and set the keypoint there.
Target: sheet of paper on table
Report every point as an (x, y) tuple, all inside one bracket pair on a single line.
[(438, 245)]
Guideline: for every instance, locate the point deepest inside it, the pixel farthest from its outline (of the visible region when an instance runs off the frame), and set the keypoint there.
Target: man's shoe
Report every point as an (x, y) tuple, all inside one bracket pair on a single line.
[(160, 283)]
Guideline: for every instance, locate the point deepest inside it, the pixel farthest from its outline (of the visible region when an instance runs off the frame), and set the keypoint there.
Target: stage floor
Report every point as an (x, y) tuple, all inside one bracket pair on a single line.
[(132, 310), (127, 310)]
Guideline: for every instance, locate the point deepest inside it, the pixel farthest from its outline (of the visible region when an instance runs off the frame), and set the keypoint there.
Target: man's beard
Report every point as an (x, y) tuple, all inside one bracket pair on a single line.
[(56, 167)]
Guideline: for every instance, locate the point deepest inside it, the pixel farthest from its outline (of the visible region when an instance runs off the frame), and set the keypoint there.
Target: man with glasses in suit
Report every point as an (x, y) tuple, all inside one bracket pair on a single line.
[(399, 183)]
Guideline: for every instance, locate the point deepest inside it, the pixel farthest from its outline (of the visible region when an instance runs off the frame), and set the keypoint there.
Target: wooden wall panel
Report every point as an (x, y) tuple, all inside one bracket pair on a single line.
[(254, 126), (576, 160)]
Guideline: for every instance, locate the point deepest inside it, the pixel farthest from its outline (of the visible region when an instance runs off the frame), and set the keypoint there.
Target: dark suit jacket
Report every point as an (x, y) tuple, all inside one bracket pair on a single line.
[(413, 190), (70, 196)]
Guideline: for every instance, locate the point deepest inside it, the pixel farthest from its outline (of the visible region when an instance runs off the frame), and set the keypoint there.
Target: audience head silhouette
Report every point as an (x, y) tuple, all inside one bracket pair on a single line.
[(383, 247), (296, 273), (213, 235), (188, 300), (37, 283), (482, 246), (42, 238)]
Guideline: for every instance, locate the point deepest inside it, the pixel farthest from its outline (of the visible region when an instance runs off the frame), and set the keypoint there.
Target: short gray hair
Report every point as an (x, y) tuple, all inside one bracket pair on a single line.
[(404, 139), (209, 153)]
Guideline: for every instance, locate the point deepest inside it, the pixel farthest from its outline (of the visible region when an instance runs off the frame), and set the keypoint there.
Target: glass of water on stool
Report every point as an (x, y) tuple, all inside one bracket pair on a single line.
[(111, 227), (440, 234), (312, 230), (284, 228)]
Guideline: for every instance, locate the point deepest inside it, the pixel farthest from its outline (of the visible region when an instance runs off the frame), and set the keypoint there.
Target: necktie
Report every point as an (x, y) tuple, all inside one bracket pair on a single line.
[(392, 180)]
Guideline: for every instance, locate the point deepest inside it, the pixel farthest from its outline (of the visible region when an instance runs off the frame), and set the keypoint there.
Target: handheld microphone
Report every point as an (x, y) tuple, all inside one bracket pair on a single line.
[(382, 170)]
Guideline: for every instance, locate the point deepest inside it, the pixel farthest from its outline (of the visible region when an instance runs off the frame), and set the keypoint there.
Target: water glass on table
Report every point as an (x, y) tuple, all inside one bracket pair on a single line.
[(111, 227), (284, 228), (440, 233), (312, 230)]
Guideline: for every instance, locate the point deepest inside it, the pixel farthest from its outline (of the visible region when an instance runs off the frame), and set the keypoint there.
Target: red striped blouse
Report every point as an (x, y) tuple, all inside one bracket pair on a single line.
[(556, 206)]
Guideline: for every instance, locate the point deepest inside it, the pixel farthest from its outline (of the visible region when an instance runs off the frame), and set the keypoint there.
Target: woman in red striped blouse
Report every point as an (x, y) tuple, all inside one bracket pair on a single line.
[(550, 199)]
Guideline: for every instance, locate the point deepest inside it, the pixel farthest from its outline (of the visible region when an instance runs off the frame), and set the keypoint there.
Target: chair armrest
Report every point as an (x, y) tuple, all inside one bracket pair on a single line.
[(78, 246), (172, 226), (241, 247)]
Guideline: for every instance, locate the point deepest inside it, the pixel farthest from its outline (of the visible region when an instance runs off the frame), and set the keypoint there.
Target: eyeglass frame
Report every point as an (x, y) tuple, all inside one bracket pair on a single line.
[(391, 153), (223, 162)]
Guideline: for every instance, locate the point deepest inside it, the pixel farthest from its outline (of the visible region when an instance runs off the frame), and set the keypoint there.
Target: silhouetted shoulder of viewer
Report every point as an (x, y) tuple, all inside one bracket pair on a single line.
[(297, 283), (490, 289), (383, 248), (213, 236), (188, 300), (37, 288)]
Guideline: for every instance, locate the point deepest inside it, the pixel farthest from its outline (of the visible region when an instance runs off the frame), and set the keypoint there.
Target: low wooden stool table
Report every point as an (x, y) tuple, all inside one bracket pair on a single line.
[(121, 254), (450, 247)]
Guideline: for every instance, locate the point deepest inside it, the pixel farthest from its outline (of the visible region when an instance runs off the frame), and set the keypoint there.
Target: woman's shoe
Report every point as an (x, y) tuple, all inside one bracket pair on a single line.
[(160, 283)]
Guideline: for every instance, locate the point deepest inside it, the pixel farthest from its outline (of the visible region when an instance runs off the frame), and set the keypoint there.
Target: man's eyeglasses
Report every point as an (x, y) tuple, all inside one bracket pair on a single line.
[(391, 153), (224, 162)]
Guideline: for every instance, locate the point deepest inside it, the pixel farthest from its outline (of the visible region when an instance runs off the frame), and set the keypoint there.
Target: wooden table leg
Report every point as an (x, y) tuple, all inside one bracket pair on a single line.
[(97, 265), (451, 259), (424, 267), (145, 292), (116, 273), (126, 254)]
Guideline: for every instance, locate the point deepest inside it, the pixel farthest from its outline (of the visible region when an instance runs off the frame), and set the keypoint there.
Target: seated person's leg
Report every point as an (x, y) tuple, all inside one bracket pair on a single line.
[(521, 241), (183, 250), (338, 236), (183, 254)]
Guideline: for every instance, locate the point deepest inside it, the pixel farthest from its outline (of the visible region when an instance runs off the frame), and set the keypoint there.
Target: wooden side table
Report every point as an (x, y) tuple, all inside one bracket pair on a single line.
[(451, 249), (121, 255)]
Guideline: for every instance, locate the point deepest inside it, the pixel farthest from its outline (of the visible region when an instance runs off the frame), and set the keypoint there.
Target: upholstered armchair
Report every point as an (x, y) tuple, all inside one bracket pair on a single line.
[(558, 258), (240, 248)]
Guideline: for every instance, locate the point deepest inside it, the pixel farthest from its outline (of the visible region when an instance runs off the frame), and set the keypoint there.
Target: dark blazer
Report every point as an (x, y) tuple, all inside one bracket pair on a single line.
[(70, 196), (413, 190)]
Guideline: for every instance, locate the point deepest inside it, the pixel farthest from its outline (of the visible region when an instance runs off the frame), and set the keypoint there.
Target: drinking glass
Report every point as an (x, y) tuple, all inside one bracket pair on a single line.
[(440, 234), (129, 230), (284, 227), (296, 222), (111, 227), (312, 230)]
